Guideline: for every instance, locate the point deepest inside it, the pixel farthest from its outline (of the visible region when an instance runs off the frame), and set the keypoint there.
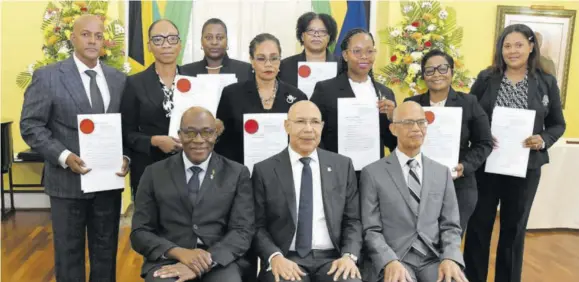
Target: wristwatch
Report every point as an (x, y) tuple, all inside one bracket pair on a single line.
[(351, 256)]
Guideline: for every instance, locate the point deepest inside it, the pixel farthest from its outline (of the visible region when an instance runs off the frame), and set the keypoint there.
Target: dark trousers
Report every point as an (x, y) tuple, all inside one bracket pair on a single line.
[(466, 195), (516, 197), (232, 273), (72, 220), (316, 265)]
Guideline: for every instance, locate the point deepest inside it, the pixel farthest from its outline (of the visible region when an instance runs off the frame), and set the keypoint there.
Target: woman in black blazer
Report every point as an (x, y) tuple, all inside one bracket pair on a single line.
[(358, 54), (315, 32), (216, 61), (148, 100), (476, 142), (516, 80), (261, 94)]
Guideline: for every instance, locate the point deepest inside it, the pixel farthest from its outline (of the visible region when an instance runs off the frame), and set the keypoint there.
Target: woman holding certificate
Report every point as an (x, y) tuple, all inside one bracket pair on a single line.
[(263, 93), (148, 100), (315, 32), (476, 141), (216, 61), (516, 80), (355, 80)]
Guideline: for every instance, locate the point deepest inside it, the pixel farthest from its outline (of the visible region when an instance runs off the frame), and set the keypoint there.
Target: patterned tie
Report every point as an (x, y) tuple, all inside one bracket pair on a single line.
[(194, 184), (306, 211), (96, 99), (415, 187)]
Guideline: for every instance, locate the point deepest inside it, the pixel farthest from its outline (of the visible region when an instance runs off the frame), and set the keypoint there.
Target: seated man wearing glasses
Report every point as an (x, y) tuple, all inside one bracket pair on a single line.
[(307, 207), (194, 216), (409, 209)]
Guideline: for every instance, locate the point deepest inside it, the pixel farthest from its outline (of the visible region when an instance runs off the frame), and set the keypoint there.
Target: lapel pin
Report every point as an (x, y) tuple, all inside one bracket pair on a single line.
[(329, 169), (290, 99), (212, 174)]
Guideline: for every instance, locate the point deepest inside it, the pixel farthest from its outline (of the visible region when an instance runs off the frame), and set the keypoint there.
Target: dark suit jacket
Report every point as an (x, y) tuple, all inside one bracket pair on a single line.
[(326, 96), (48, 123), (143, 116), (241, 69), (242, 98), (288, 70), (164, 218), (275, 204), (543, 98), (476, 141)]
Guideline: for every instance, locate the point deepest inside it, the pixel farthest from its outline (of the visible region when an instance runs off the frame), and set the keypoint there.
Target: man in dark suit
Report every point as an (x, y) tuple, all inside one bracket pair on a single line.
[(307, 207), (194, 216), (409, 210), (57, 94)]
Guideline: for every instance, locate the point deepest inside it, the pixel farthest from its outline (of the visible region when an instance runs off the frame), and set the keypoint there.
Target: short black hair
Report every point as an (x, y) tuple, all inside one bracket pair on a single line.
[(261, 38), (162, 20), (329, 22), (434, 53), (533, 63), (214, 21)]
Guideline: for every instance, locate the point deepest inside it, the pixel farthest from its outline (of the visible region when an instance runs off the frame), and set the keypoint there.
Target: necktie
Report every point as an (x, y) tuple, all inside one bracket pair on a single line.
[(415, 187), (96, 98), (194, 184), (306, 211)]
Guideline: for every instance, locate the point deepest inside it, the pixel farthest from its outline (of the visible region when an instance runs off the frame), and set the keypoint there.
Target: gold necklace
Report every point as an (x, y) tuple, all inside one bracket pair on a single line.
[(270, 98)]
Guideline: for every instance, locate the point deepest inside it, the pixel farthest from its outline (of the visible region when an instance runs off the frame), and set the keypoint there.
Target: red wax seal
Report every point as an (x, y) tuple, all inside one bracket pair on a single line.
[(251, 126), (86, 126), (429, 117), (304, 71), (184, 85)]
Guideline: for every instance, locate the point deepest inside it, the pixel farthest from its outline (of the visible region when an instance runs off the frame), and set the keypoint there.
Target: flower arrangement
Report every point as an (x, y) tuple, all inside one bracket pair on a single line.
[(57, 28), (426, 26)]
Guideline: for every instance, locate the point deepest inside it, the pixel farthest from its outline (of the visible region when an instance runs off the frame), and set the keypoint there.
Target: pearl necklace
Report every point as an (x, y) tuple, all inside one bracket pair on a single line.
[(213, 68)]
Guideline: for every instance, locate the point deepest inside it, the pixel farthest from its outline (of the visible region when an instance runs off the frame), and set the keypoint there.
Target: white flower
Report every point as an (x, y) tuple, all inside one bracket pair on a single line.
[(126, 67), (64, 49), (471, 83), (431, 27), (426, 5), (416, 56), (31, 69), (414, 68), (407, 9), (119, 29), (395, 33), (412, 85), (443, 14), (410, 28), (47, 16)]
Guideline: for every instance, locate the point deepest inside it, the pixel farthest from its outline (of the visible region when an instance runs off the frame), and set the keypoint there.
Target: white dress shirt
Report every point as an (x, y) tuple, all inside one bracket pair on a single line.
[(187, 164), (403, 159), (102, 85), (438, 104), (364, 90)]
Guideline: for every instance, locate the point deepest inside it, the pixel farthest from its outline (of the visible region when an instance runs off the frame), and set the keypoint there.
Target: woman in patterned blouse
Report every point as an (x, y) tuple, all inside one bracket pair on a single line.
[(515, 80)]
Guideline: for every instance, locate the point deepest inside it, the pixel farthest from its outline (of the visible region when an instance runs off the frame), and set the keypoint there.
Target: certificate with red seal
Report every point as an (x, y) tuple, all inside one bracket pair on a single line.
[(309, 73), (263, 136)]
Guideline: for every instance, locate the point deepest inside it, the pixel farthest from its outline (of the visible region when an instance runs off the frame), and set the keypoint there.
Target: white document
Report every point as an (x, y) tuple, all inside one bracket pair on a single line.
[(510, 127), (263, 136), (359, 131), (101, 148), (223, 79), (309, 73), (442, 142), (192, 91)]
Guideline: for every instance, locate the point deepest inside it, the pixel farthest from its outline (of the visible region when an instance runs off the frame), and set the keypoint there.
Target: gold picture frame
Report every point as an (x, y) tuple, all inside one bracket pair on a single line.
[(554, 26)]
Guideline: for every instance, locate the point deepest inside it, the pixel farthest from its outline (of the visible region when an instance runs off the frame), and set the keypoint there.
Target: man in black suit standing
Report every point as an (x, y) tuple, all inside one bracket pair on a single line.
[(307, 207), (194, 216)]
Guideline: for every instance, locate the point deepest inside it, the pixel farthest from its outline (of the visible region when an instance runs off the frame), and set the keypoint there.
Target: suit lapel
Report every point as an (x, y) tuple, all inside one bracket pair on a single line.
[(395, 171), (534, 101), (226, 65), (452, 99), (114, 89), (346, 90), (284, 173), (427, 182), (153, 87), (327, 178), (177, 172), (493, 91), (208, 182), (73, 84)]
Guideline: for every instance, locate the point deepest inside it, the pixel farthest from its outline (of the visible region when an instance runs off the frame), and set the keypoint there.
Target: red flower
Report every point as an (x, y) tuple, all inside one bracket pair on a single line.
[(84, 9), (416, 24), (428, 44), (57, 29), (393, 58)]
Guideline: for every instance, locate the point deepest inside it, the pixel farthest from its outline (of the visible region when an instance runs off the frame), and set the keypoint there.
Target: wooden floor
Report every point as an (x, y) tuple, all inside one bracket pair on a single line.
[(27, 253)]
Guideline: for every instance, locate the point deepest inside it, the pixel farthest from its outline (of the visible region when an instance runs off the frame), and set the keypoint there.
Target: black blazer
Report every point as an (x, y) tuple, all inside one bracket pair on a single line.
[(241, 69), (543, 97), (275, 204), (142, 117), (223, 216), (326, 96), (475, 130), (288, 70), (242, 98)]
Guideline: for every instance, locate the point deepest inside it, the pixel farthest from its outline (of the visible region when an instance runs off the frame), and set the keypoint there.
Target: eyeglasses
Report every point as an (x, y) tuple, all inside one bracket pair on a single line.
[(273, 60), (159, 40), (442, 69), (409, 123), (191, 134), (318, 32), (300, 123), (358, 53)]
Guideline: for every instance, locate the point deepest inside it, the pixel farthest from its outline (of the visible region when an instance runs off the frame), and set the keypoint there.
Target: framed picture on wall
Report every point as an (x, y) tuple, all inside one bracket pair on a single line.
[(553, 27)]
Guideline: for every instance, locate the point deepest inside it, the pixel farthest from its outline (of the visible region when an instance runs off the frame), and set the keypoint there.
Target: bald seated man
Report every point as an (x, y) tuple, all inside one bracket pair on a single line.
[(194, 217), (307, 207), (57, 94), (409, 210)]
